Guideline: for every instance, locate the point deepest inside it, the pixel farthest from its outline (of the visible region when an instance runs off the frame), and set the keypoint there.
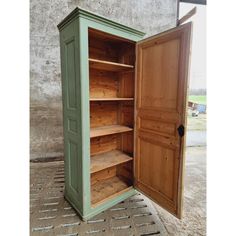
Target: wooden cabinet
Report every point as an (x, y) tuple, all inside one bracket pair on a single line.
[(124, 106)]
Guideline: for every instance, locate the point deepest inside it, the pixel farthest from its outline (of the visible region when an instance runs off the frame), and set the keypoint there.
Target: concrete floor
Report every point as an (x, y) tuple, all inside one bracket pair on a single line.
[(196, 138), (194, 207)]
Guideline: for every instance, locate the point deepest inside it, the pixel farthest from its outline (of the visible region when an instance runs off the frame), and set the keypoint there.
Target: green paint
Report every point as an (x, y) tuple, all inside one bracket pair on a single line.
[(81, 13), (73, 162), (72, 125), (71, 93), (70, 72), (75, 93)]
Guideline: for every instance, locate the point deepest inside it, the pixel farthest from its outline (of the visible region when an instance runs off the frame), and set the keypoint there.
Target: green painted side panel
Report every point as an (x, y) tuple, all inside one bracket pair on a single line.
[(71, 97), (76, 114), (72, 125), (70, 72), (84, 76), (73, 163)]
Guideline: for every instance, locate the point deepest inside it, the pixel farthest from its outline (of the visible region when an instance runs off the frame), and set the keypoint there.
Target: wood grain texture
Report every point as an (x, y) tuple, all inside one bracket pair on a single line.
[(126, 84), (106, 130), (102, 49), (161, 91), (103, 144), (126, 114), (107, 47), (103, 113), (103, 84), (127, 142), (111, 79), (108, 65), (109, 188), (108, 159), (121, 141), (102, 175), (110, 99)]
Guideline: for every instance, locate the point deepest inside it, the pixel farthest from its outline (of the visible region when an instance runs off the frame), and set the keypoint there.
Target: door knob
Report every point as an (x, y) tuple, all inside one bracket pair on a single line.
[(181, 130)]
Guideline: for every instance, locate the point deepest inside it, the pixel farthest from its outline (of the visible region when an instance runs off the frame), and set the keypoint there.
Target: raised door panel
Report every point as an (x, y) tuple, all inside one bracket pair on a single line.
[(71, 93), (161, 90)]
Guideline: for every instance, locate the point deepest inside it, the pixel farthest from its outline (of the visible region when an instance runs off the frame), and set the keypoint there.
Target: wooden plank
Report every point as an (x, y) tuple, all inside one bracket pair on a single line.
[(105, 144), (103, 84), (187, 16), (106, 130), (107, 189), (108, 65), (161, 95), (110, 99), (108, 159), (103, 114), (102, 175)]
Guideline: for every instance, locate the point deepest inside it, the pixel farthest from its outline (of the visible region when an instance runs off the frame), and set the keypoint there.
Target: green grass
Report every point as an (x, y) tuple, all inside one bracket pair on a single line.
[(200, 99)]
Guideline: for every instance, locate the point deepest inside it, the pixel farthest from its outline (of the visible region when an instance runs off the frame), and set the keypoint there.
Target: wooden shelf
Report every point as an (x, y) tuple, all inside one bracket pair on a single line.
[(109, 66), (108, 159), (111, 99), (106, 130), (107, 189)]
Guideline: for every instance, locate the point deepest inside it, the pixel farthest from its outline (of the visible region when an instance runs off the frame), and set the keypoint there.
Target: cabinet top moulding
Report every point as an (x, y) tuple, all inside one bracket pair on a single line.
[(88, 15), (108, 65)]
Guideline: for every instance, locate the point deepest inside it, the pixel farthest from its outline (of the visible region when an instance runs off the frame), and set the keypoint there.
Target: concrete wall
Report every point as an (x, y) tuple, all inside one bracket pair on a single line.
[(46, 133)]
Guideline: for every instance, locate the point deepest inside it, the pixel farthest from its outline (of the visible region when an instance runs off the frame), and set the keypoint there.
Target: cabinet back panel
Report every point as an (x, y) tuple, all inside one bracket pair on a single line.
[(127, 143), (103, 113), (104, 144), (114, 180), (103, 84), (126, 84), (124, 171), (111, 113), (126, 113), (108, 47), (127, 54), (110, 182), (103, 175), (102, 50), (123, 142)]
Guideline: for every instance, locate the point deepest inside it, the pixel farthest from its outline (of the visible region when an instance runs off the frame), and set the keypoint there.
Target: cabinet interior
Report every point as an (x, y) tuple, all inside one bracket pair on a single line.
[(111, 80)]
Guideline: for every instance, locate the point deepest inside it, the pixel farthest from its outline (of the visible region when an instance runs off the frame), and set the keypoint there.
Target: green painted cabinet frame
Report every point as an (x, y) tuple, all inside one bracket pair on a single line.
[(168, 51), (75, 93)]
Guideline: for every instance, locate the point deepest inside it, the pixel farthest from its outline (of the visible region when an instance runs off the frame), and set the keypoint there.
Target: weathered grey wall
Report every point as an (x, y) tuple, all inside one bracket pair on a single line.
[(46, 135)]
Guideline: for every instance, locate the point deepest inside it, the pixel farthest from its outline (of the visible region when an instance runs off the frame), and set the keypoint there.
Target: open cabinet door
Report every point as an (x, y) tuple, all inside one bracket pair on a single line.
[(161, 97)]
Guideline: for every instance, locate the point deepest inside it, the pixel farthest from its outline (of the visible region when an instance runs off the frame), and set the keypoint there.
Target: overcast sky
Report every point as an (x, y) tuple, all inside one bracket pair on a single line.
[(198, 59)]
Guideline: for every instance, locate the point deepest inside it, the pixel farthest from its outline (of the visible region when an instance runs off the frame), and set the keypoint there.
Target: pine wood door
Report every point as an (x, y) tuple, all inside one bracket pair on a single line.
[(161, 92)]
